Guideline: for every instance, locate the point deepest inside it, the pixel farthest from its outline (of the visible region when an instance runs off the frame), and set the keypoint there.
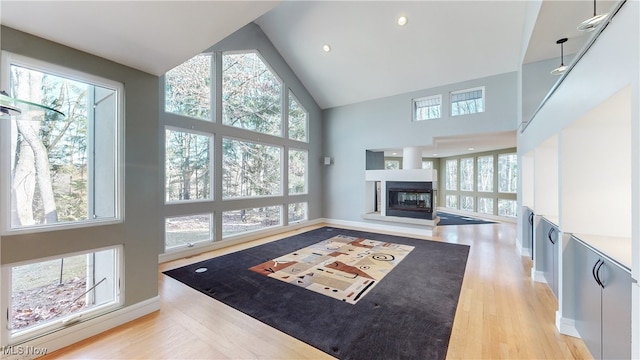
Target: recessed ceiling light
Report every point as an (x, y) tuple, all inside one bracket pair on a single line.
[(434, 154), (326, 47), (394, 153), (402, 20), (471, 149)]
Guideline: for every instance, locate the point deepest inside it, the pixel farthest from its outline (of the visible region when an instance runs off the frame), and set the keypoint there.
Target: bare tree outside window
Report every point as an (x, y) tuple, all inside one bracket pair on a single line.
[(485, 173)]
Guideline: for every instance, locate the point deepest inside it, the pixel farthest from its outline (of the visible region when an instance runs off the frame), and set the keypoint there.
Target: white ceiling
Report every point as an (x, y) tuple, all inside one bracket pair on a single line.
[(460, 145), (152, 36), (372, 57)]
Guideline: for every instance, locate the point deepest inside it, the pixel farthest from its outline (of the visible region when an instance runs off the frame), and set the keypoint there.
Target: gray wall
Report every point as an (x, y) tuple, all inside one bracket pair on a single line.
[(386, 123), (140, 231)]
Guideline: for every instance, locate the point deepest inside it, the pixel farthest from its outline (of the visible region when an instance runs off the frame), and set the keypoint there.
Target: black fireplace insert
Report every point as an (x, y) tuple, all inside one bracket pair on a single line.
[(410, 199)]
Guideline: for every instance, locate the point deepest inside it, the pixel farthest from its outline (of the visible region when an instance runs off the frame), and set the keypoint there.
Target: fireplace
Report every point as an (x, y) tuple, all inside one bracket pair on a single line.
[(410, 199)]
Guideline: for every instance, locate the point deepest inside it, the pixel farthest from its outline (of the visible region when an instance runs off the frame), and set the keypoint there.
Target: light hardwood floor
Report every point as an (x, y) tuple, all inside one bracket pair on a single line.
[(501, 314)]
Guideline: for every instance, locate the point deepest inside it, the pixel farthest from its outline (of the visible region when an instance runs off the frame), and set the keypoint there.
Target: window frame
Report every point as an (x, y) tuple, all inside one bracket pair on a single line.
[(282, 169), (414, 108), (484, 100), (212, 97), (58, 324), (212, 177), (190, 244), (283, 94), (306, 171), (291, 94), (7, 60), (499, 173)]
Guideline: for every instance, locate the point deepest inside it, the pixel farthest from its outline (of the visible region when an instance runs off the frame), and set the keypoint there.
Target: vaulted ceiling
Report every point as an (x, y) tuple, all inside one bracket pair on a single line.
[(371, 55)]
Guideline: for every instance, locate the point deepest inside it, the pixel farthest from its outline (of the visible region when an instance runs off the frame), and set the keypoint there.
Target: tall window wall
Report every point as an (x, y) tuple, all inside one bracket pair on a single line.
[(236, 149), (485, 183)]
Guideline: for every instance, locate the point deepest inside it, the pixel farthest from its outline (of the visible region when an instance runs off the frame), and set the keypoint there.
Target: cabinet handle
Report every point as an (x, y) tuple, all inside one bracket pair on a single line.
[(531, 219), (549, 235), (593, 272), (598, 274)]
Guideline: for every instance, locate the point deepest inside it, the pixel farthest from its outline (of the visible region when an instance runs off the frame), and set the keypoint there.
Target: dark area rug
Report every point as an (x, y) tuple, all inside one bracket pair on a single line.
[(408, 315), (451, 219)]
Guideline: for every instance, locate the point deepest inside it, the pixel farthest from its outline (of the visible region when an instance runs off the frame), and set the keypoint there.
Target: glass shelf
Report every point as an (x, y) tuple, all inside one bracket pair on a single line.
[(16, 109)]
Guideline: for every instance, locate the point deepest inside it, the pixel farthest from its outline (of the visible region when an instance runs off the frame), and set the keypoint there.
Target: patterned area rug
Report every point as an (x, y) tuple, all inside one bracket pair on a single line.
[(342, 267), (407, 315)]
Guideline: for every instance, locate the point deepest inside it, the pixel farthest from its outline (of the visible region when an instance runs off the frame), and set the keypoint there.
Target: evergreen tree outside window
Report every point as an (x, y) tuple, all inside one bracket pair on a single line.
[(297, 171), (298, 120), (251, 94), (250, 169), (62, 170), (187, 166), (188, 88)]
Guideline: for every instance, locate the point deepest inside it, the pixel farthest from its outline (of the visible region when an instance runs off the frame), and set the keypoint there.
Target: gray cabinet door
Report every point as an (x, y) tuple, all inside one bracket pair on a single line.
[(588, 300), (549, 238), (616, 312)]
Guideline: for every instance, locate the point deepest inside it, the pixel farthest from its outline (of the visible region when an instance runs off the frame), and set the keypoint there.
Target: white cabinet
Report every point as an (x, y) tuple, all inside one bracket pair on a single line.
[(603, 304)]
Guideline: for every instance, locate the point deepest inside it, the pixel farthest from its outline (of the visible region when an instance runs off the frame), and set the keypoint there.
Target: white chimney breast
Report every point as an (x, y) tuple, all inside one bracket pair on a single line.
[(411, 158)]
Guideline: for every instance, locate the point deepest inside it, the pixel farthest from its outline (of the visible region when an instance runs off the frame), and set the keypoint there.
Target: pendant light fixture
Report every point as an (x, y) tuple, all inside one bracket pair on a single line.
[(562, 68), (24, 110), (593, 22)]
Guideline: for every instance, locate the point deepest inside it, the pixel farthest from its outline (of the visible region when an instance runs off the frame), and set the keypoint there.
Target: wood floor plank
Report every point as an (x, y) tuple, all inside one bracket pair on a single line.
[(501, 314)]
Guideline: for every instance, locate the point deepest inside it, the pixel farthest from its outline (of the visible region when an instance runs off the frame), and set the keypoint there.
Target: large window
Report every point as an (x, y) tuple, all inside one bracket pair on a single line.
[(187, 166), (485, 205), (485, 173), (251, 94), (261, 129), (466, 203), (466, 102), (246, 220), (297, 212), (427, 108), (466, 174), (452, 175), (188, 88), (392, 164), (63, 170), (451, 201), (250, 169), (45, 294), (427, 164), (298, 120), (507, 208), (508, 173), (186, 231), (297, 171)]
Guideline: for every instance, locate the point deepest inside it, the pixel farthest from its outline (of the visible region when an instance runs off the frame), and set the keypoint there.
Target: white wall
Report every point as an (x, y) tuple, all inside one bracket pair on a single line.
[(386, 123)]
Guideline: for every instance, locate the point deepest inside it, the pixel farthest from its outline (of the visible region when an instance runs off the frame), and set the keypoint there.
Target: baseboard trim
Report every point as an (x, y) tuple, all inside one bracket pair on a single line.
[(566, 326), (81, 331), (538, 276)]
